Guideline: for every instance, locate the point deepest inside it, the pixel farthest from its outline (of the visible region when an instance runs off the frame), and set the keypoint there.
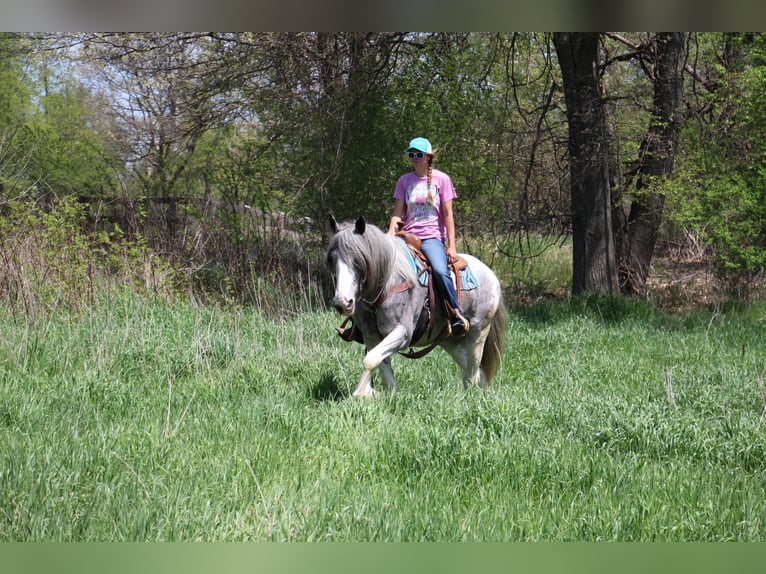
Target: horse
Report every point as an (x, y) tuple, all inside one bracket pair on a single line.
[(377, 287)]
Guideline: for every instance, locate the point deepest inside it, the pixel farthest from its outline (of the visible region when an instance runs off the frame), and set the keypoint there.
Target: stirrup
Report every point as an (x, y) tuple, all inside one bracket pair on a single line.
[(458, 325)]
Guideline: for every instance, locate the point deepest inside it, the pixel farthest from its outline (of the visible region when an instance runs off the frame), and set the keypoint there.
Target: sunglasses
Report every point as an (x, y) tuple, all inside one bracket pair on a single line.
[(418, 154)]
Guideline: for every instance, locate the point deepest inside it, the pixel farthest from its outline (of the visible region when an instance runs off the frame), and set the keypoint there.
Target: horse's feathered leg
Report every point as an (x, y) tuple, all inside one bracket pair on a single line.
[(474, 374), (387, 374), (391, 343), (467, 353)]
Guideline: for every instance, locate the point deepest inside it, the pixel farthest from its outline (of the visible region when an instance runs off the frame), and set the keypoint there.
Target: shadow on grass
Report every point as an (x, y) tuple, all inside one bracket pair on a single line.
[(327, 389)]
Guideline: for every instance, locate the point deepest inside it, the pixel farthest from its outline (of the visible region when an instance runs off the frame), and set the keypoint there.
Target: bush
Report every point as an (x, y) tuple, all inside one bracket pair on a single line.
[(729, 214), (49, 260)]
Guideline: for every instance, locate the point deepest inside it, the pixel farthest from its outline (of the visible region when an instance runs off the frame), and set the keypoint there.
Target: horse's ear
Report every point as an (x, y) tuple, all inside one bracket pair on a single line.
[(333, 224), (360, 225)]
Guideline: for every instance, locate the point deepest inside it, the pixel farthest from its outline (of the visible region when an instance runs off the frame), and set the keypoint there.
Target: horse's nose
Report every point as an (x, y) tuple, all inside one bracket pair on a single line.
[(343, 306)]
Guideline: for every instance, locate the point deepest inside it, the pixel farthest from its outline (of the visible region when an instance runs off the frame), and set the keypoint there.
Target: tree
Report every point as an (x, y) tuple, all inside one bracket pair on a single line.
[(607, 239), (163, 95), (48, 144), (663, 59), (16, 145), (594, 267)]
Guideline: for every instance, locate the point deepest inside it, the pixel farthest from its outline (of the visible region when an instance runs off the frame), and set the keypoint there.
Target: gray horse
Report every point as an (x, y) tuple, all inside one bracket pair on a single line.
[(377, 287)]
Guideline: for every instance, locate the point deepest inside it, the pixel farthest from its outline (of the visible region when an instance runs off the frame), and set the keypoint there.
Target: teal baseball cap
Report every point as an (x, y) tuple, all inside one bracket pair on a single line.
[(421, 144)]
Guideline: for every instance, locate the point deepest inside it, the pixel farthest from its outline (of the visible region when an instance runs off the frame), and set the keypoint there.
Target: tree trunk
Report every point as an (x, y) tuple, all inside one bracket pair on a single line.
[(655, 161), (594, 266)]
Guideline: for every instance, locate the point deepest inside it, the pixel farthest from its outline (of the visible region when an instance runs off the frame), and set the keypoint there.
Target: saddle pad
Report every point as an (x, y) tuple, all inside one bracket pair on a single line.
[(468, 280)]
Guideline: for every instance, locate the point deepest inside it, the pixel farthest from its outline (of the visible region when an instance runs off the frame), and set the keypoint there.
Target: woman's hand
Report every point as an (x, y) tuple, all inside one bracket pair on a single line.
[(394, 224), (451, 254)]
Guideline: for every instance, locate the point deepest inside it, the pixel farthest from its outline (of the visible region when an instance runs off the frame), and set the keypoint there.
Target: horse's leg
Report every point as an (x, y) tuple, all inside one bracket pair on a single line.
[(467, 353), (391, 343), (475, 375), (387, 374), (471, 367), (461, 353)]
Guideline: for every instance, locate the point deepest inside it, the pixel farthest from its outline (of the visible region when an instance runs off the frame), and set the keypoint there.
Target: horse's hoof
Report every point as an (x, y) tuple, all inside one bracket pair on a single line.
[(369, 394)]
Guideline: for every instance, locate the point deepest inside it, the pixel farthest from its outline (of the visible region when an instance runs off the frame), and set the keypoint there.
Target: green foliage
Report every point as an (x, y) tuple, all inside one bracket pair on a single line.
[(48, 140), (310, 123), (15, 106), (730, 214), (344, 145), (69, 156), (14, 96), (49, 260), (146, 420), (720, 191), (458, 92)]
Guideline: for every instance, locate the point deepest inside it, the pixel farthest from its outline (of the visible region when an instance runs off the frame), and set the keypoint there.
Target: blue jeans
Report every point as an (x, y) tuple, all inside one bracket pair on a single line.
[(434, 250)]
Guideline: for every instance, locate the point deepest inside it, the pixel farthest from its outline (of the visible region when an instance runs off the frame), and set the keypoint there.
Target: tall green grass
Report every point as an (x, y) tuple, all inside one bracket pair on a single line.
[(527, 264), (610, 420)]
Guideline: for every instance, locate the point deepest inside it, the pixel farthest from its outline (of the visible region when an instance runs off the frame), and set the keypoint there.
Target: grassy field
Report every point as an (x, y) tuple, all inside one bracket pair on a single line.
[(610, 420)]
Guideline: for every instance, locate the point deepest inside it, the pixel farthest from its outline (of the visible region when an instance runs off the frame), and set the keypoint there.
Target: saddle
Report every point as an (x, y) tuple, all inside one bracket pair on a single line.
[(456, 265)]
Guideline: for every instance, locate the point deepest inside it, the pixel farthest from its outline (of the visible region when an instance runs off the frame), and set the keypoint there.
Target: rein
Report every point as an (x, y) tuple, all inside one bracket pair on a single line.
[(401, 288), (352, 333), (413, 354)]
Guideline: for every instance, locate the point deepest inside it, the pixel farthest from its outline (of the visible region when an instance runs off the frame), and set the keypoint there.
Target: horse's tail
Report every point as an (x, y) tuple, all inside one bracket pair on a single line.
[(494, 345)]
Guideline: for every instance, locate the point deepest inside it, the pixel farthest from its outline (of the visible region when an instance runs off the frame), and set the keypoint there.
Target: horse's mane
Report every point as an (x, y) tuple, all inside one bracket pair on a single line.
[(377, 257)]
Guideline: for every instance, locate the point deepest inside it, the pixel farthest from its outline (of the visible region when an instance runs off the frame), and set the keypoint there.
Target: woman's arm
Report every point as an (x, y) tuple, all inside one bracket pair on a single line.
[(396, 217), (449, 222)]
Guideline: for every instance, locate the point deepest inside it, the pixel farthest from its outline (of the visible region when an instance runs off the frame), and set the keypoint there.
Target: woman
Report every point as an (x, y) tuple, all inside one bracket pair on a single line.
[(423, 204)]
